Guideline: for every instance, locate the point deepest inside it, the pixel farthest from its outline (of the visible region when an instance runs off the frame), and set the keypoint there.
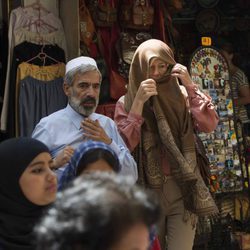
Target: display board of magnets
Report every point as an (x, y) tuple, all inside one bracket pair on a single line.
[(210, 72)]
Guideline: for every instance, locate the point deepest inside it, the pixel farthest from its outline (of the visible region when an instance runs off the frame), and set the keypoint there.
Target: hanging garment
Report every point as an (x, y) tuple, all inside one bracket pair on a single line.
[(21, 53), (38, 99), (45, 98), (34, 25)]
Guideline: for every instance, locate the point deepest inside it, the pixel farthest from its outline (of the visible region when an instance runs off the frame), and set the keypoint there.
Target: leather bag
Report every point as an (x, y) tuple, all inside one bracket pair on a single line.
[(129, 42), (143, 14), (106, 13)]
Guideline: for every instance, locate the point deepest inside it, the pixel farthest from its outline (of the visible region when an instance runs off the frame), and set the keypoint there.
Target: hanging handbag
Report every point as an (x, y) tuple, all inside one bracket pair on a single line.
[(143, 14), (106, 13), (125, 15), (129, 42)]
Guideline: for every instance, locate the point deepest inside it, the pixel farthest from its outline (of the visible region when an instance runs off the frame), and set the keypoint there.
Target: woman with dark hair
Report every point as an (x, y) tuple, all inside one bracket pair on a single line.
[(90, 156), (28, 186)]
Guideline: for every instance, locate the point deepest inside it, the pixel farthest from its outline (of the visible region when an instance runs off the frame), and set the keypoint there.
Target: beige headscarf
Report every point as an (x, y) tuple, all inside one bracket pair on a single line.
[(168, 129)]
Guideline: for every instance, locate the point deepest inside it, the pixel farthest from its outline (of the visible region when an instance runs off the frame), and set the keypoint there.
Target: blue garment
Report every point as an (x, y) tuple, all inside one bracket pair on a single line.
[(62, 128), (71, 168)]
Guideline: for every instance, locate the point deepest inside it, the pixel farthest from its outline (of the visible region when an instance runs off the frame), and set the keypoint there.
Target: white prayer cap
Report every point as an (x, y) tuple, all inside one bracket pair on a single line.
[(82, 60)]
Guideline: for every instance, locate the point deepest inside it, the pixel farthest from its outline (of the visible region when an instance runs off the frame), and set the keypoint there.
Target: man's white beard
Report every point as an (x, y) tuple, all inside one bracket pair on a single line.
[(76, 105)]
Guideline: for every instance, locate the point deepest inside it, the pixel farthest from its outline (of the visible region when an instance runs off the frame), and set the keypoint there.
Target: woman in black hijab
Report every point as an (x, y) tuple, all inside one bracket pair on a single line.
[(27, 186)]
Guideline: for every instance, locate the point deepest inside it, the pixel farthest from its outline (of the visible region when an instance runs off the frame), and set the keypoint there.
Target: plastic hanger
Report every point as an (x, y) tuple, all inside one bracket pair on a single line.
[(39, 22), (37, 6), (42, 56)]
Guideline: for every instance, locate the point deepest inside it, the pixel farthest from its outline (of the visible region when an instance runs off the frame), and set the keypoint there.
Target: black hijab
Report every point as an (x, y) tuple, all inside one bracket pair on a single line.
[(17, 214)]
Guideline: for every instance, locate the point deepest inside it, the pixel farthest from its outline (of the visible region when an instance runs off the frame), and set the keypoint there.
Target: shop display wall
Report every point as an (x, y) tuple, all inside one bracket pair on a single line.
[(224, 147)]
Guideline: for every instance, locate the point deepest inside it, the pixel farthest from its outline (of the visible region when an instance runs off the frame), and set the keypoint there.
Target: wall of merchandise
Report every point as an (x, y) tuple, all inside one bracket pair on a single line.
[(225, 148)]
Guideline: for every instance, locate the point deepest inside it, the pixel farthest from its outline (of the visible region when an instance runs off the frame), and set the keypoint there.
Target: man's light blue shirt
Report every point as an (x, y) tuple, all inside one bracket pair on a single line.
[(62, 128)]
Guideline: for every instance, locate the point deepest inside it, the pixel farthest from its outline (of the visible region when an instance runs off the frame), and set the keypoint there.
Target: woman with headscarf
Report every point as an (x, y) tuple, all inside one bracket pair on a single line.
[(89, 156), (93, 156), (156, 119), (28, 186)]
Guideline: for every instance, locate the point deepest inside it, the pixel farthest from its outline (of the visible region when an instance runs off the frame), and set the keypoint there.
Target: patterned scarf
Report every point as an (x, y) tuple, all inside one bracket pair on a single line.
[(167, 128)]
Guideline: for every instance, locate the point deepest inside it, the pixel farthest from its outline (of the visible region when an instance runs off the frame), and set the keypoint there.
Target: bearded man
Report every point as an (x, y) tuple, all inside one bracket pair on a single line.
[(78, 121)]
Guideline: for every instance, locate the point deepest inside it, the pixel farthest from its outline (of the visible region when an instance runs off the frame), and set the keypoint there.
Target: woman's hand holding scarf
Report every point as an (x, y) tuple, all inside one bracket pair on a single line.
[(146, 89), (182, 73)]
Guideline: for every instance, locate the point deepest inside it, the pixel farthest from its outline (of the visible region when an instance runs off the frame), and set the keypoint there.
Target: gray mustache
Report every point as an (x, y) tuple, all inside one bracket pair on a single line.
[(89, 100)]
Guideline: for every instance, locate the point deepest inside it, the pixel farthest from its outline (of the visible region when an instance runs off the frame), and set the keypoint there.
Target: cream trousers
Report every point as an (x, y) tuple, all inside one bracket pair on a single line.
[(174, 232)]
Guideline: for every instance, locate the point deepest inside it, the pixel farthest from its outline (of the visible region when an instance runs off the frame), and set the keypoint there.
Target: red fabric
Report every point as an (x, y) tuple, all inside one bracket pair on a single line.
[(109, 39), (93, 50), (106, 109), (156, 245), (159, 29), (117, 82), (105, 37), (117, 85)]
